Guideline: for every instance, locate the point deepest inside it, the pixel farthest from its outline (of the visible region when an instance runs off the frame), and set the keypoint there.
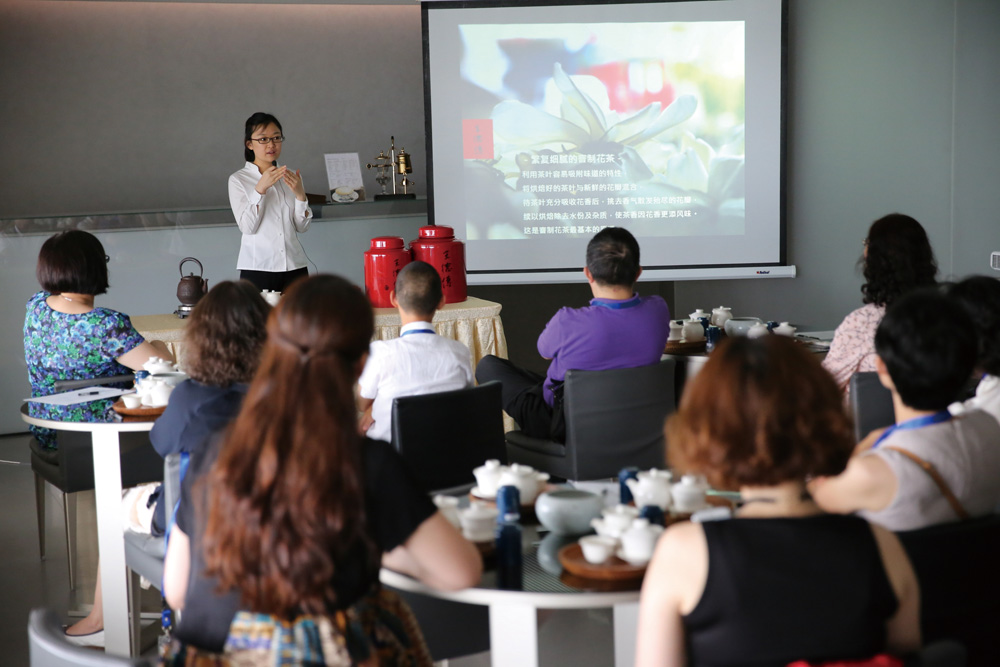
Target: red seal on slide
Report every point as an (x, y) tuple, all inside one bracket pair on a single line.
[(477, 138)]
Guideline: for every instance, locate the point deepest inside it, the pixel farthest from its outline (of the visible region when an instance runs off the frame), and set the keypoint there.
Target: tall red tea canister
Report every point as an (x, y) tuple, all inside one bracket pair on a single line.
[(383, 261), (438, 247)]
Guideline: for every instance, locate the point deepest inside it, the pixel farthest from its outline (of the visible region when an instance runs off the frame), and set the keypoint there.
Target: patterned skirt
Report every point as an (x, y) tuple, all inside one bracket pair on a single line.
[(379, 629)]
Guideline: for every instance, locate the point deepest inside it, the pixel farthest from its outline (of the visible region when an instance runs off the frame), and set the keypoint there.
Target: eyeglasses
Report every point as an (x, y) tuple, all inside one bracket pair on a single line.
[(263, 141)]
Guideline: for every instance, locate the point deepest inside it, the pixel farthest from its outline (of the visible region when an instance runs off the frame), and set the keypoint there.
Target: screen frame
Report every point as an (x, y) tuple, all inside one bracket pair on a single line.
[(707, 271)]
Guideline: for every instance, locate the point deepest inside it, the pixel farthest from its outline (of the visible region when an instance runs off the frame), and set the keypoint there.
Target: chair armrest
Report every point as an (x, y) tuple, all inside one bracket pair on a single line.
[(540, 445)]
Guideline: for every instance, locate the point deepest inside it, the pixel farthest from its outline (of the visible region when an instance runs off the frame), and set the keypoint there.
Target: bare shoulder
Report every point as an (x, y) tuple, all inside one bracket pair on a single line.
[(679, 567)]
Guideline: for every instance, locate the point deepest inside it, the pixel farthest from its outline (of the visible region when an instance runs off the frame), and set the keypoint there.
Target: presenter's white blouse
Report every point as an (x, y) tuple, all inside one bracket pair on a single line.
[(270, 223)]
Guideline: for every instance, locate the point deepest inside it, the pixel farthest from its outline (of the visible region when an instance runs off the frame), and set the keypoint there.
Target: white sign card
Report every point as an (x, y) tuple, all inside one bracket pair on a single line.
[(343, 173)]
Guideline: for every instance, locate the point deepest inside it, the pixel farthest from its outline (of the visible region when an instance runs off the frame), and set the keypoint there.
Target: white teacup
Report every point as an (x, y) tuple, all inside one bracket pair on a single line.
[(597, 549), (478, 521), (132, 401), (448, 506)]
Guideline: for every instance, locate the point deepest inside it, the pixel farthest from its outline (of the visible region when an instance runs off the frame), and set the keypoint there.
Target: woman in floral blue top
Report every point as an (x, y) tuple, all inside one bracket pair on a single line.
[(67, 338)]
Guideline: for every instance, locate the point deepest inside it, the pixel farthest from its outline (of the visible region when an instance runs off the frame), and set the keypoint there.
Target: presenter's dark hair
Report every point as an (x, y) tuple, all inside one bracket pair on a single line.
[(418, 289), (72, 261), (899, 259), (259, 119), (929, 345), (613, 257), (980, 296)]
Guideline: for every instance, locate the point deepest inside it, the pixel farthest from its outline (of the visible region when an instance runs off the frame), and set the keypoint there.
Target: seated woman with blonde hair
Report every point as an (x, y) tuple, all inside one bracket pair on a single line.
[(284, 536), (786, 581)]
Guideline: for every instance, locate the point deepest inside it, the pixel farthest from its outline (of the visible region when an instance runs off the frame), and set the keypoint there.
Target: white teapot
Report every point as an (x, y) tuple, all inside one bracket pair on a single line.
[(527, 480), (758, 330), (271, 296), (784, 329), (488, 478), (698, 314), (689, 494), (639, 541), (157, 365), (614, 521), (721, 315), (158, 393), (693, 331), (651, 487)]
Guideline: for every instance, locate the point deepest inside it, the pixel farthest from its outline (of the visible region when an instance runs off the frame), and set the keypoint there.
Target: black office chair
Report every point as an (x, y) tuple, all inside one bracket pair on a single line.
[(70, 468), (443, 436), (956, 566), (871, 404), (48, 646), (614, 419)]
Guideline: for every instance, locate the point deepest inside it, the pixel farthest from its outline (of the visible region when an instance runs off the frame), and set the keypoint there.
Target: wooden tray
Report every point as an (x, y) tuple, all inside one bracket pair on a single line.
[(137, 414), (600, 585), (678, 347), (614, 569)]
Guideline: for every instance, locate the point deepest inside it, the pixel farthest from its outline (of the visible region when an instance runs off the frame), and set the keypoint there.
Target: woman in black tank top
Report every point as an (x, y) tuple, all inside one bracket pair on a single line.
[(781, 581)]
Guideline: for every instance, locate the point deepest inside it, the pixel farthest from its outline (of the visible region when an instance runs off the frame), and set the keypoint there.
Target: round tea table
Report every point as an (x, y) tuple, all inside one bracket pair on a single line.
[(110, 534), (514, 613)]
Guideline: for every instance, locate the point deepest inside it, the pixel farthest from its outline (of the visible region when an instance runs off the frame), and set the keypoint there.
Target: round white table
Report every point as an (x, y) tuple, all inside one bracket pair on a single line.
[(514, 613), (110, 533)]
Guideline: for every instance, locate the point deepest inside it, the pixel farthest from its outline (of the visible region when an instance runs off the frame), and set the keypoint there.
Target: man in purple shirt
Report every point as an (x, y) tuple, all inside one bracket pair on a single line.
[(619, 329)]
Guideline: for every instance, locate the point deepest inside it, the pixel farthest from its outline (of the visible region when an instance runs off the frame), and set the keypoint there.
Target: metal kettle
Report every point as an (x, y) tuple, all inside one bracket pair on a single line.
[(191, 287)]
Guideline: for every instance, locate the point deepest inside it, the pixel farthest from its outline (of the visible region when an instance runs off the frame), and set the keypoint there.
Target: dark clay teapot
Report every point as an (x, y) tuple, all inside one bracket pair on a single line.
[(191, 287)]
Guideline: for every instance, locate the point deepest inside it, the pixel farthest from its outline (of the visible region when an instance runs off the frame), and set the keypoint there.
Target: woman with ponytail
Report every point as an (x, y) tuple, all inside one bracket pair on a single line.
[(297, 511)]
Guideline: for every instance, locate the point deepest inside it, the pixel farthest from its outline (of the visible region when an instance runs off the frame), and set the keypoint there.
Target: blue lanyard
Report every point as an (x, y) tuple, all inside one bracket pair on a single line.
[(918, 422), (417, 331), (617, 305)]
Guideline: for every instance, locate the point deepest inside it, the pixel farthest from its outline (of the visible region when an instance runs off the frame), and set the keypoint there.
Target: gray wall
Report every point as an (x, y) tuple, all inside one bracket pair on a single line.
[(114, 106), (891, 107)]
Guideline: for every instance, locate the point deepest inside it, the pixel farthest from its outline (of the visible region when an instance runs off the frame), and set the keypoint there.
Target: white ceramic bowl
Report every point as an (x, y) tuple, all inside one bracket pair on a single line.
[(132, 401), (597, 549), (739, 326), (568, 511)]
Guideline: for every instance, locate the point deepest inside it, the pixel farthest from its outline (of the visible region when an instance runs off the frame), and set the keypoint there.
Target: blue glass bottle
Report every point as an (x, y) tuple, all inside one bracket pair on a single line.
[(508, 539)]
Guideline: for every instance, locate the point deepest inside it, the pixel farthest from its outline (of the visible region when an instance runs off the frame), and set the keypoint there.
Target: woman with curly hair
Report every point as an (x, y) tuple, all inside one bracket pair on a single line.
[(285, 534), (897, 258), (222, 343), (786, 581)]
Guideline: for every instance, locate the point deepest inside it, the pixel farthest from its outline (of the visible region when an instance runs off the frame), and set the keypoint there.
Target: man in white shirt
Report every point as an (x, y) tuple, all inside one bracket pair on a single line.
[(419, 361)]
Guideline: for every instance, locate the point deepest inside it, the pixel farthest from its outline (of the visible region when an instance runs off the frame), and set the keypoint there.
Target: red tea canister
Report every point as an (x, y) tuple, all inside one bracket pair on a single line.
[(383, 261), (438, 247)]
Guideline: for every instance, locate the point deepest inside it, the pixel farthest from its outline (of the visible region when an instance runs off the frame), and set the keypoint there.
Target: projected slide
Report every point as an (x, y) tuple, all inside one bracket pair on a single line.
[(604, 124), (549, 122)]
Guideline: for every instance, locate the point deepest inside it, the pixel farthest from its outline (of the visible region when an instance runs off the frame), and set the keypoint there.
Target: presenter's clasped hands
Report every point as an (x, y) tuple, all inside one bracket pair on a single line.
[(293, 179)]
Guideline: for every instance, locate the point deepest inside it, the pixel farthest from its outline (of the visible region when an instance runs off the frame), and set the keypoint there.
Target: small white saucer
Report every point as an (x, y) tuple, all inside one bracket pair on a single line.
[(344, 199), (479, 494)]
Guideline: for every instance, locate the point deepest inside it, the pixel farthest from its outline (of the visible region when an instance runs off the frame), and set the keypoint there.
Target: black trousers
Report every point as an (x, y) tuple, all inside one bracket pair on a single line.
[(273, 280), (521, 393)]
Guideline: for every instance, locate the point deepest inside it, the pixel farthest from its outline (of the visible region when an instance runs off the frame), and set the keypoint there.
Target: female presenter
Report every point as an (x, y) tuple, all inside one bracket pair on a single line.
[(271, 209)]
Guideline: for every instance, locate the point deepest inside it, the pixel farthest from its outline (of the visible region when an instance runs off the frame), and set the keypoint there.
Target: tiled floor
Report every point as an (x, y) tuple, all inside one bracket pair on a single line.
[(576, 638)]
